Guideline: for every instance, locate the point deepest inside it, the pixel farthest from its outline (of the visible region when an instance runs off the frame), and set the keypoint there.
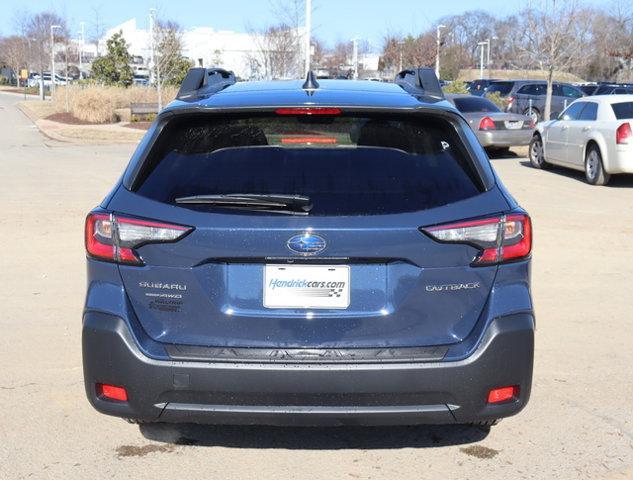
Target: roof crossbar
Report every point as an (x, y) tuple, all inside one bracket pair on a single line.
[(420, 82), (204, 81)]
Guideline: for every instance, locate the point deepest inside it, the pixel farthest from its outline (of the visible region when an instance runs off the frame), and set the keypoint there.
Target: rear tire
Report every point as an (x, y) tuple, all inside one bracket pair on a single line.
[(535, 115), (537, 154), (594, 168)]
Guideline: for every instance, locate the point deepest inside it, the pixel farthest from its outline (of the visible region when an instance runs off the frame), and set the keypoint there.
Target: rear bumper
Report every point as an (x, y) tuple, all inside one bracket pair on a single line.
[(622, 161), (505, 138), (308, 394)]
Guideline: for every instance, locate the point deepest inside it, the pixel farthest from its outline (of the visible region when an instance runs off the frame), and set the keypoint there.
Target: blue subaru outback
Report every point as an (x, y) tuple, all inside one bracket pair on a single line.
[(303, 253)]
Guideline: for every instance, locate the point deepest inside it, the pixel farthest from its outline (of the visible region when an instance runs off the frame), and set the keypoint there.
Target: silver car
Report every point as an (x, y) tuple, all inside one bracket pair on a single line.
[(494, 129)]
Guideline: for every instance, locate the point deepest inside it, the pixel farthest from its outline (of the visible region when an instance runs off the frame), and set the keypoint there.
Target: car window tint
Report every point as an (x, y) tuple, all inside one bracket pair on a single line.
[(590, 112), (347, 165), (557, 90), (533, 89), (504, 88), (570, 92), (475, 104), (573, 111), (623, 110)]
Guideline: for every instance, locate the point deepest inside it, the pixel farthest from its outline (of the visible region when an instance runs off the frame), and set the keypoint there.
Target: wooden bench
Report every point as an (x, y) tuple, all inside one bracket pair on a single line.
[(143, 109)]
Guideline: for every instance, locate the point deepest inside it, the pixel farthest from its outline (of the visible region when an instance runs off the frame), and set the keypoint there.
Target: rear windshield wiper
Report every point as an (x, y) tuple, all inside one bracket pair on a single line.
[(280, 203)]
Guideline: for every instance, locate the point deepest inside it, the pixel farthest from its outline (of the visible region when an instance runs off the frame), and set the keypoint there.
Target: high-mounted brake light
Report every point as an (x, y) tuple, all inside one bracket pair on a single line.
[(309, 140), (499, 239), (113, 237), (487, 123), (624, 135), (308, 111)]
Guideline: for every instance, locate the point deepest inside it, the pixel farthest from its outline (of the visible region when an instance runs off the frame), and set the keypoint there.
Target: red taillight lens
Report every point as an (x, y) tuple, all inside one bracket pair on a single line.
[(111, 392), (487, 123), (503, 394), (500, 239), (308, 111), (624, 135), (113, 238)]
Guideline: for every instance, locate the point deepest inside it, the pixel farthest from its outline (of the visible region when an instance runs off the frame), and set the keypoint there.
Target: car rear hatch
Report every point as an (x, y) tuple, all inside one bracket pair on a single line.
[(342, 264)]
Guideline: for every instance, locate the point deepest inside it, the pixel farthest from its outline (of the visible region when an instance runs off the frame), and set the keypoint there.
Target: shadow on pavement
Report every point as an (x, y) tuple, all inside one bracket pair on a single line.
[(313, 438), (501, 154), (617, 181)]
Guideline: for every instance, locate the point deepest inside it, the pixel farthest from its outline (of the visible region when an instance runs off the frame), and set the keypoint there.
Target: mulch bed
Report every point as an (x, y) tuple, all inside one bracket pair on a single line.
[(69, 119)]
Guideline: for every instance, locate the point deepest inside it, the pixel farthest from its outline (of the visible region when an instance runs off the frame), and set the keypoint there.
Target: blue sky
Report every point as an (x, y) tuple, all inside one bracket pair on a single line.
[(333, 19)]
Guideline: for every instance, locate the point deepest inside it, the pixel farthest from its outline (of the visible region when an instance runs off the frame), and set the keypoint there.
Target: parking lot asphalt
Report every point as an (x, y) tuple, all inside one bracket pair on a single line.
[(579, 423)]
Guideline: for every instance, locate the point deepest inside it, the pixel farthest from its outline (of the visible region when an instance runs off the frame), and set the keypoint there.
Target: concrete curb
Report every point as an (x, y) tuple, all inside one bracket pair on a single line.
[(52, 130)]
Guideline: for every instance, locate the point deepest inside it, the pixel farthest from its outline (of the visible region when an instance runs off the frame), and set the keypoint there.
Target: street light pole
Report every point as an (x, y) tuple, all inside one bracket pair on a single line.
[(355, 57), (488, 43), (53, 27), (481, 59), (308, 34), (81, 48), (437, 55)]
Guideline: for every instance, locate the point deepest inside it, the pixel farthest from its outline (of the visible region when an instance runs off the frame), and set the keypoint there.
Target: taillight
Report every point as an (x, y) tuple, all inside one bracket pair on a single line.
[(308, 111), (487, 123), (113, 237), (624, 135), (499, 239)]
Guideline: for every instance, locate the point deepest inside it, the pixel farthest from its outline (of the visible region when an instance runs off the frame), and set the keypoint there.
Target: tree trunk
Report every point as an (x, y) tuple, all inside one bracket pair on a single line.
[(548, 97)]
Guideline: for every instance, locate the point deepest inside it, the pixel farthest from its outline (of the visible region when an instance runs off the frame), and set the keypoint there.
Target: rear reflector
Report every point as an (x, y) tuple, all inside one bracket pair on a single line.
[(308, 111), (503, 394), (111, 392), (114, 237), (499, 239)]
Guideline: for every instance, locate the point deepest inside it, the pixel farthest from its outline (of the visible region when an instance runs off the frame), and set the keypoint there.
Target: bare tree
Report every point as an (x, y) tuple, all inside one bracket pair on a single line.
[(14, 51), (278, 46), (97, 27), (555, 38), (170, 65)]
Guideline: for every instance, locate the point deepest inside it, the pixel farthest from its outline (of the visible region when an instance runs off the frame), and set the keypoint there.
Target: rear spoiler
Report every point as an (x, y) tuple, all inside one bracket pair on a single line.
[(420, 82), (200, 82)]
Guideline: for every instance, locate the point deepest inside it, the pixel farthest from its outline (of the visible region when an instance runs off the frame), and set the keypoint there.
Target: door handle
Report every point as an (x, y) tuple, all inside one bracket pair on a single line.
[(586, 129), (565, 127)]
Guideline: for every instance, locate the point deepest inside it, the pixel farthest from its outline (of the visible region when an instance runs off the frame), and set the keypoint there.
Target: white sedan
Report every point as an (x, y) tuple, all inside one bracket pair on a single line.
[(594, 134)]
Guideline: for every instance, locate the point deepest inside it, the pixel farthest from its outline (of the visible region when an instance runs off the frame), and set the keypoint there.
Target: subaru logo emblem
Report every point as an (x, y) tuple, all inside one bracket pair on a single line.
[(306, 244)]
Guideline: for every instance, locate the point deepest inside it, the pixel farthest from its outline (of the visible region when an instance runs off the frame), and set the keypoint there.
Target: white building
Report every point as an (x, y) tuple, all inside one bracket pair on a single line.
[(205, 46)]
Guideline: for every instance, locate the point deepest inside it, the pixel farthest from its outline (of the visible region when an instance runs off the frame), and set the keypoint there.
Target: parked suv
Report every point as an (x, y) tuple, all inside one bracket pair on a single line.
[(309, 253), (518, 93)]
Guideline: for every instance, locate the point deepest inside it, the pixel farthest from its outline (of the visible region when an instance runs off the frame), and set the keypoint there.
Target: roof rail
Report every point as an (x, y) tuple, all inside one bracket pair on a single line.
[(420, 81), (204, 81)]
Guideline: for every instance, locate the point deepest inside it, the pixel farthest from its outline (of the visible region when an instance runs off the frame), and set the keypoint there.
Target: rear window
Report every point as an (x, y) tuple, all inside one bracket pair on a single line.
[(346, 165), (504, 88), (623, 110), (474, 104)]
